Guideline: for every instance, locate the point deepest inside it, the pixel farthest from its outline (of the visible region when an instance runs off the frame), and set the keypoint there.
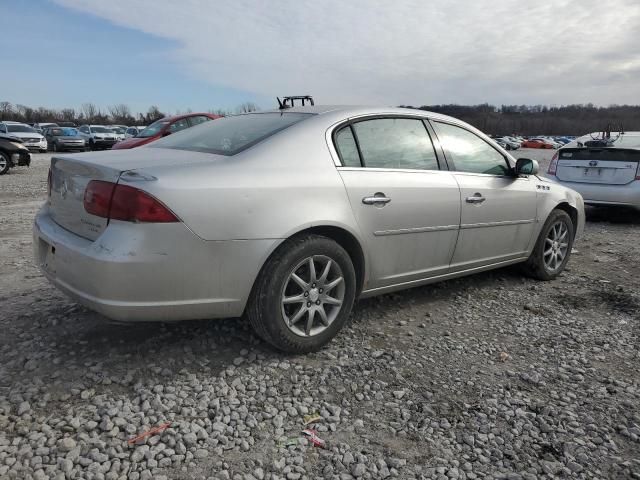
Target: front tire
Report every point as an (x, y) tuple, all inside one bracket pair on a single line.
[(303, 295), (5, 163), (553, 247)]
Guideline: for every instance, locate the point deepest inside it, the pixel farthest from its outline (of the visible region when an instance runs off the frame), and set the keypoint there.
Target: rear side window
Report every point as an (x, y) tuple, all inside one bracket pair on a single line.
[(231, 135), (347, 148), (469, 152), (179, 125), (198, 119), (400, 143)]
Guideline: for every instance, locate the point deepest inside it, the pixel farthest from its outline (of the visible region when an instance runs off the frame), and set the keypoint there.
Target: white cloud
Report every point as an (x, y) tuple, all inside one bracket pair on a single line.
[(401, 51)]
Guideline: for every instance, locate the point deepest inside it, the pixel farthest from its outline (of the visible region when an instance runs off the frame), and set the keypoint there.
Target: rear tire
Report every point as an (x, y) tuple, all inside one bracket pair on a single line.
[(553, 247), (292, 306), (5, 163)]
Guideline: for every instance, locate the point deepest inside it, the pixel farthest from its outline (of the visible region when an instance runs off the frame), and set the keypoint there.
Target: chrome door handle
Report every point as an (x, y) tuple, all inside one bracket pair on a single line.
[(475, 198), (377, 199)]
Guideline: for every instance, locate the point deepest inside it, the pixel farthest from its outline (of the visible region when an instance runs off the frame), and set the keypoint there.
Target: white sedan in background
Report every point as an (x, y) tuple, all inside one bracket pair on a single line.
[(28, 135)]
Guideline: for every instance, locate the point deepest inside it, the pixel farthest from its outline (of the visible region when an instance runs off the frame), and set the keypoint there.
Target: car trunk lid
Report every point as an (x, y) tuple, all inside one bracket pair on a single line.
[(611, 166), (71, 174)]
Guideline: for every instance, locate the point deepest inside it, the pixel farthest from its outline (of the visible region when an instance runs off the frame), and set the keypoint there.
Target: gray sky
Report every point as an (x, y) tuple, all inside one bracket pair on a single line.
[(399, 52)]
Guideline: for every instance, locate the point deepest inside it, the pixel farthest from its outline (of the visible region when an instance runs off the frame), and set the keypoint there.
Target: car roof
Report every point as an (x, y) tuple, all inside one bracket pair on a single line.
[(347, 111)]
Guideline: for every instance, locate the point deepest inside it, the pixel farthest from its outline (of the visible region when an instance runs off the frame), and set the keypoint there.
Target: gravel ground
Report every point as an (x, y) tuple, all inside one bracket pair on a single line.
[(491, 376)]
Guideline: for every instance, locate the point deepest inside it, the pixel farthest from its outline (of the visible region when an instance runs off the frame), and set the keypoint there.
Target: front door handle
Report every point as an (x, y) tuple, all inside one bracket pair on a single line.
[(378, 198), (476, 198)]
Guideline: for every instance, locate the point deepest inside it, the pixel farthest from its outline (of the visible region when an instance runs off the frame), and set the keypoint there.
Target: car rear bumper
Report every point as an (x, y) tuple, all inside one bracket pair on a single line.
[(71, 146), (597, 194), (149, 272)]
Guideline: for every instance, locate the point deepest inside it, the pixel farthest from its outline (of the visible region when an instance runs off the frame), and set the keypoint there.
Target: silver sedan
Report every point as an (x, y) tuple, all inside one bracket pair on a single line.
[(289, 216)]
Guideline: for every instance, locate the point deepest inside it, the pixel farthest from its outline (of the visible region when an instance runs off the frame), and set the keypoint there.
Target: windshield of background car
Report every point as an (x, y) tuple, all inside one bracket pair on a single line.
[(20, 129), (231, 135), (100, 130), (118, 130), (153, 129), (65, 132)]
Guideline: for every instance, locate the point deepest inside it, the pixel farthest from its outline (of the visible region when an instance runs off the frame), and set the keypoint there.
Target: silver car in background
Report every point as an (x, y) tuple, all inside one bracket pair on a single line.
[(289, 216), (604, 170)]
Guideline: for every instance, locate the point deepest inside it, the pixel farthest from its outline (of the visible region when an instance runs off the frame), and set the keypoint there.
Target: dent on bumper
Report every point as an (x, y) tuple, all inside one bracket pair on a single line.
[(149, 272)]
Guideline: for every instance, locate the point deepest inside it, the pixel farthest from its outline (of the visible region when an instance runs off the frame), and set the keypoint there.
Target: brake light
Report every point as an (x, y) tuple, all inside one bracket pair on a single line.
[(553, 166), (122, 202)]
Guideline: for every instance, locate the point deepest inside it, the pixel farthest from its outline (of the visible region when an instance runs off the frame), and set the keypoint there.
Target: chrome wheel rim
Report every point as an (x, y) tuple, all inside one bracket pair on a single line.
[(312, 296), (3, 163), (556, 246)]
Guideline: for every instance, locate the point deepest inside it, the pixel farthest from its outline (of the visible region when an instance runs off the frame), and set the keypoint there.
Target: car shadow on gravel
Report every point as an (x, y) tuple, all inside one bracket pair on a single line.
[(76, 340), (612, 215)]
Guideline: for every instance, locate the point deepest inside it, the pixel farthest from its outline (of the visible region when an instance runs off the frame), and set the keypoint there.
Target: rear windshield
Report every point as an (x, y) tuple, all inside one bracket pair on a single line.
[(230, 135)]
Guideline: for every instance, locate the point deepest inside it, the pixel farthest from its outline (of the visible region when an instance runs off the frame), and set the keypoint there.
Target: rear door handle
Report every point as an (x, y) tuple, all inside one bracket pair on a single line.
[(378, 198), (476, 198)]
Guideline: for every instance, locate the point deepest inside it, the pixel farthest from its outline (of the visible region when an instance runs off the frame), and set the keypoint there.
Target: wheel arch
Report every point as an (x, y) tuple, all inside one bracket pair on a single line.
[(339, 234), (572, 212)]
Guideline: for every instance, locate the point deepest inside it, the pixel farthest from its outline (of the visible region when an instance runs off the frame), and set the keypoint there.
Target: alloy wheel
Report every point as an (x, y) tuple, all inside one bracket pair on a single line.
[(556, 245), (312, 295)]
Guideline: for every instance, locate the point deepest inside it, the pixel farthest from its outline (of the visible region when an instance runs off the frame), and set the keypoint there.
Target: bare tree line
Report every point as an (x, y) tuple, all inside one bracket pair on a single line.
[(119, 114), (542, 119), (503, 120)]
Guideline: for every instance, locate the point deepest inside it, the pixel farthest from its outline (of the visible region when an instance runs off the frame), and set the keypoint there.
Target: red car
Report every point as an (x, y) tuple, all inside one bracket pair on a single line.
[(536, 143), (163, 127)]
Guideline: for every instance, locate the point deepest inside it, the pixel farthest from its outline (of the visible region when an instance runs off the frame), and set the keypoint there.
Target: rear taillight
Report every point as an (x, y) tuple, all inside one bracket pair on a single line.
[(553, 166), (122, 202)]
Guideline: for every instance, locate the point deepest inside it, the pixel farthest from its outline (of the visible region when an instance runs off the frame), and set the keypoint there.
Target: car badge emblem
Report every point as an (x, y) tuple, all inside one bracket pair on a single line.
[(593, 163)]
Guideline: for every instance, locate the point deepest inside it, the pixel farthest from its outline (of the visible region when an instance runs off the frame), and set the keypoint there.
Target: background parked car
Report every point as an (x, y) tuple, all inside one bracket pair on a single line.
[(118, 131), (605, 171), (510, 143), (64, 138), (28, 135), (163, 127), (537, 143), (12, 153), (98, 137), (40, 127), (133, 131)]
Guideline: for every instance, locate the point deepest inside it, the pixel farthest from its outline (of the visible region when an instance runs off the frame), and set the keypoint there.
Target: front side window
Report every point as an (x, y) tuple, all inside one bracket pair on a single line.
[(468, 152), (400, 143), (154, 129), (231, 135)]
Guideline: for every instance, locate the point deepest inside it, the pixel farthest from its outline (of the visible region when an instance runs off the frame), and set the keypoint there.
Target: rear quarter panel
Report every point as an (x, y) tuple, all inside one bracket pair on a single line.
[(270, 191)]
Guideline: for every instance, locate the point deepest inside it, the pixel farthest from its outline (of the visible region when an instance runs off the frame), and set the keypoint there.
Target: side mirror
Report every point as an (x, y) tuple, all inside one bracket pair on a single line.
[(526, 166)]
